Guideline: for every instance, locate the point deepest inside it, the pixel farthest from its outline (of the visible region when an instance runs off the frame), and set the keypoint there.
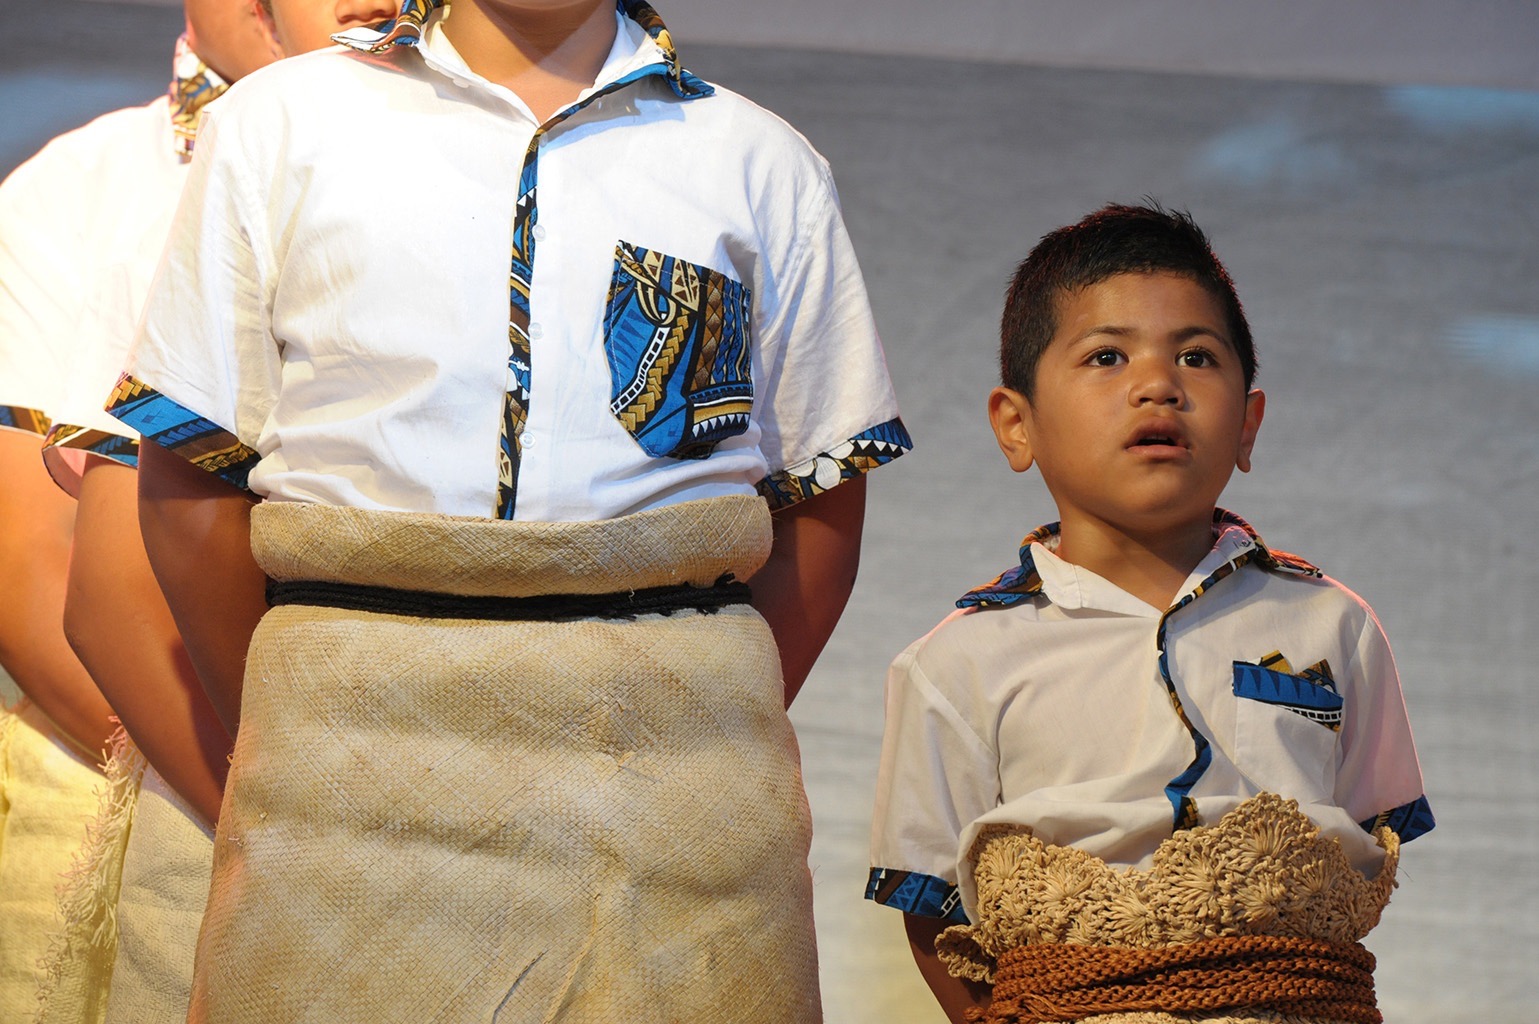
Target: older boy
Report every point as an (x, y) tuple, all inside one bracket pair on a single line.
[(1148, 666), (509, 322)]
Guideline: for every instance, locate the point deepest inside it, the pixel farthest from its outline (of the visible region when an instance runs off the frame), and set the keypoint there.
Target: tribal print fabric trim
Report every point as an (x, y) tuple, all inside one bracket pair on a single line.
[(678, 340), (405, 29), (1407, 821), (1310, 694), (120, 449), (194, 85), (916, 893), (860, 454), (178, 429), (30, 421)]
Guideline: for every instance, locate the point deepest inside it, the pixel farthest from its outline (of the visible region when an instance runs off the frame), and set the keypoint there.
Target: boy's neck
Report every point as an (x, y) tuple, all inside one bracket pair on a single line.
[(546, 54), (1152, 567)]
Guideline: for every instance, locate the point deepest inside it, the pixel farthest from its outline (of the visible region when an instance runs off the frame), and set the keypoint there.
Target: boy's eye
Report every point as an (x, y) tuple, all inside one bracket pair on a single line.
[(1196, 357), (1105, 357)]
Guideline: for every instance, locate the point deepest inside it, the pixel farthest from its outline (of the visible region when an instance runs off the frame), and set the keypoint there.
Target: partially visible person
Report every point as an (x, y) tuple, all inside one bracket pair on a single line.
[(1156, 745), (94, 227)]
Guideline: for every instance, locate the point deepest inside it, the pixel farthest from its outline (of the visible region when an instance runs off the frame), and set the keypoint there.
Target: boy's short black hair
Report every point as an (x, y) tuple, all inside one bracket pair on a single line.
[(1113, 240)]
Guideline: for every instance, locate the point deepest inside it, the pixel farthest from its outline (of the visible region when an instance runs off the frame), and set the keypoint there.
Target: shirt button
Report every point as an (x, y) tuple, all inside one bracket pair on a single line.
[(526, 440), (536, 332), (539, 232)]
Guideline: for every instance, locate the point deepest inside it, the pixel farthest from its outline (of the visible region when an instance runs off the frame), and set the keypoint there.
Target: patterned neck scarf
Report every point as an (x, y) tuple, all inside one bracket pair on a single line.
[(194, 85)]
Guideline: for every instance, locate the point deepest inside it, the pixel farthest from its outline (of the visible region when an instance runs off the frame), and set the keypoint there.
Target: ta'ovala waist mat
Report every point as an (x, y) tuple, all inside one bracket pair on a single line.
[(451, 819)]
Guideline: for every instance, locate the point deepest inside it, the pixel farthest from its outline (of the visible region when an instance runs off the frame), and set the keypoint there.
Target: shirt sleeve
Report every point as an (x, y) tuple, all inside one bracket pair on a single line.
[(936, 776), (42, 265), (203, 375), (1379, 779), (828, 412)]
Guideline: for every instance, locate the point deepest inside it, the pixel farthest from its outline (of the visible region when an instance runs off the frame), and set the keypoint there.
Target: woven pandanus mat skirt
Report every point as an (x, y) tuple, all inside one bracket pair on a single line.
[(456, 819), (160, 902)]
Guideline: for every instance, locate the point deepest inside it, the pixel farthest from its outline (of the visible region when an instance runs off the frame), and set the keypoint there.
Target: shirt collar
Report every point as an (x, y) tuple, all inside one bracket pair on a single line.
[(408, 27), (194, 85), (1235, 542)]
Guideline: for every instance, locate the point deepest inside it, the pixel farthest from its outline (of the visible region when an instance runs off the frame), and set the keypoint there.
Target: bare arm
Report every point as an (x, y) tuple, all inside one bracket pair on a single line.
[(197, 534), (36, 520), (801, 591), (955, 995), (119, 625)]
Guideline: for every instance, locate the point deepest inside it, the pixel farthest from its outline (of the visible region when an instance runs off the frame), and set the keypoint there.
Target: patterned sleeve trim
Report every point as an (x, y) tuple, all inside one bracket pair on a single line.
[(915, 893), (124, 450), (31, 421), (1407, 821), (178, 429), (825, 471)]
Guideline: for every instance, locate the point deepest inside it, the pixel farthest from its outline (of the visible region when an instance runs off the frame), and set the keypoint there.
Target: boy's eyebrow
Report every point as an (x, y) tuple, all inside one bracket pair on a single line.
[(1183, 334)]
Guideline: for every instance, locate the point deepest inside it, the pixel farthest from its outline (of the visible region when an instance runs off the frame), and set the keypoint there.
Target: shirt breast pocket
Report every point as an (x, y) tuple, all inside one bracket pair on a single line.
[(677, 336), (1286, 729)]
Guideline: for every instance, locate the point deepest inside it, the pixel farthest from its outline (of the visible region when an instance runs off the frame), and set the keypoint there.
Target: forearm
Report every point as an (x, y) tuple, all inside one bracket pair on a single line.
[(197, 535), (118, 622), (36, 519), (802, 590), (955, 995)]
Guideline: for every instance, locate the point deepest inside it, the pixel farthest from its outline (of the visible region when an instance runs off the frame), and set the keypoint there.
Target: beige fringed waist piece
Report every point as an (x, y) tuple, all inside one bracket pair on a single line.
[(450, 819), (1255, 919)]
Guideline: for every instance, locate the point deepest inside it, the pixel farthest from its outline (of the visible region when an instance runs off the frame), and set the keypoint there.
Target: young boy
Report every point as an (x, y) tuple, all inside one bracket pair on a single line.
[(1147, 669), (512, 325)]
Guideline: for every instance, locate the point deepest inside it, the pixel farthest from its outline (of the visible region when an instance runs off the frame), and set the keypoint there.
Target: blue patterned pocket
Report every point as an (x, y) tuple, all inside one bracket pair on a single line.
[(678, 340), (1307, 694)]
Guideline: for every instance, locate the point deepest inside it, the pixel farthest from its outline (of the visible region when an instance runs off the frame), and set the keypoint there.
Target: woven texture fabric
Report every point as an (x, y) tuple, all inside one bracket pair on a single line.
[(50, 795), (78, 971), (447, 820), (160, 905), (1262, 870)]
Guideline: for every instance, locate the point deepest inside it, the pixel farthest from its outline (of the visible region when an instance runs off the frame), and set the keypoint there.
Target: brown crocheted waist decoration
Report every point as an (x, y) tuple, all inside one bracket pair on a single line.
[(1285, 974)]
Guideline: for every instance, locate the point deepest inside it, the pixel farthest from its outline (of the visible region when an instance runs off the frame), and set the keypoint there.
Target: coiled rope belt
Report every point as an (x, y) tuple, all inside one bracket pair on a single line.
[(1287, 974)]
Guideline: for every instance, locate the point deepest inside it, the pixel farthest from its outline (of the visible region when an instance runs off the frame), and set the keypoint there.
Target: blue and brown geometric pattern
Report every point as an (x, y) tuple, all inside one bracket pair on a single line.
[(16, 417), (677, 337), (405, 29), (124, 450), (1407, 821), (194, 85), (1016, 584), (860, 454), (178, 429), (520, 384), (916, 893), (1310, 694)]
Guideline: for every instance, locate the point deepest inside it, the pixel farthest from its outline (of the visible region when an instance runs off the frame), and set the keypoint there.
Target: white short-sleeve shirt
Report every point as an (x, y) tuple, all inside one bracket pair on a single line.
[(331, 322), (1049, 706), (74, 220)]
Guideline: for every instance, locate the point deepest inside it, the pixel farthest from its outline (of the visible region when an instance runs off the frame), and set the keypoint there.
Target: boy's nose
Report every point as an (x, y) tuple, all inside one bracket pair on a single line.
[(1156, 385), (364, 12)]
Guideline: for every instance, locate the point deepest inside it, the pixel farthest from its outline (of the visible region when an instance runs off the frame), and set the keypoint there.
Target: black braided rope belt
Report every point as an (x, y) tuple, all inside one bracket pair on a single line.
[(622, 604)]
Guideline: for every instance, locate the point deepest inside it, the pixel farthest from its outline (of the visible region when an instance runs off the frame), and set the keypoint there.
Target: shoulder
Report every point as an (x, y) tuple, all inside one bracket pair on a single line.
[(321, 89), (766, 140), (100, 152), (973, 650)]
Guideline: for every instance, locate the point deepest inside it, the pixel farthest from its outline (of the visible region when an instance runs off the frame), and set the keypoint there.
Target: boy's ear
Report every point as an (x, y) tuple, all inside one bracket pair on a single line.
[(1255, 409), (1010, 416)]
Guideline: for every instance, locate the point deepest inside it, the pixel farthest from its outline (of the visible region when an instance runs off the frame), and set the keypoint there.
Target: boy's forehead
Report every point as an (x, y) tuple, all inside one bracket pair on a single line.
[(1134, 300)]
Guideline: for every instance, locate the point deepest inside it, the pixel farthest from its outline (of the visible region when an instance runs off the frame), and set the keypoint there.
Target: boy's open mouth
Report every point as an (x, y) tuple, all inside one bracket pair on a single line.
[(1157, 436)]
